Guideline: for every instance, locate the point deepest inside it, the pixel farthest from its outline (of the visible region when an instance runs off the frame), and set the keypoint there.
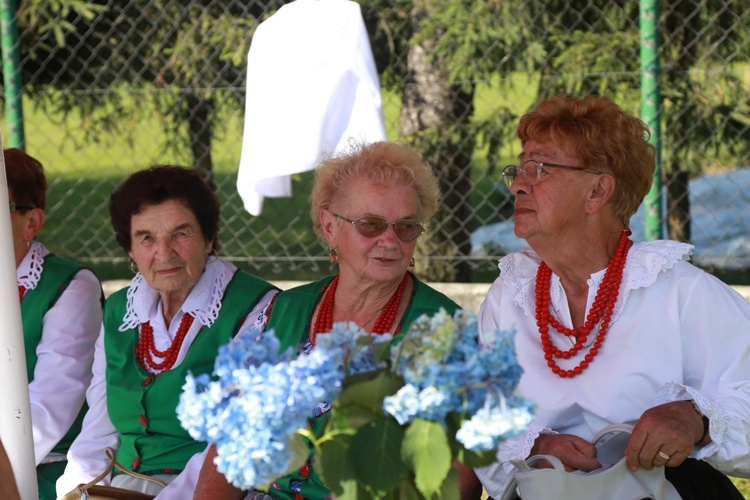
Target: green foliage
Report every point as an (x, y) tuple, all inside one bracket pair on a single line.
[(426, 451), (52, 16), (477, 40), (372, 451)]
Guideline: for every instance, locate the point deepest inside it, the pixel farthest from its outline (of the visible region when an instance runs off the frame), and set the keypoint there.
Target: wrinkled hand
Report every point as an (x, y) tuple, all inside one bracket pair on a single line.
[(671, 428), (574, 452)]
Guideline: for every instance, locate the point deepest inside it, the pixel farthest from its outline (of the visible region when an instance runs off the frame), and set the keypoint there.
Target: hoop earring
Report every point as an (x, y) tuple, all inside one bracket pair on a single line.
[(411, 262), (133, 266), (212, 256), (333, 256)]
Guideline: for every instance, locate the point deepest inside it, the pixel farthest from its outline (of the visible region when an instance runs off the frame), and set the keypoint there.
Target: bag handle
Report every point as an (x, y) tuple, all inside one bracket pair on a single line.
[(612, 429), (112, 456), (532, 460)]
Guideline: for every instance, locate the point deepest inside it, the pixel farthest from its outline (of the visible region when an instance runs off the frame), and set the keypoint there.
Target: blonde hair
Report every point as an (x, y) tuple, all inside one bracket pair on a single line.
[(378, 162), (603, 137)]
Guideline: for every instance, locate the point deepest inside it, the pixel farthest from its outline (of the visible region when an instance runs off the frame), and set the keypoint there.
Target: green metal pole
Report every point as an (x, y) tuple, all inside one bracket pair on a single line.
[(12, 74), (650, 110)]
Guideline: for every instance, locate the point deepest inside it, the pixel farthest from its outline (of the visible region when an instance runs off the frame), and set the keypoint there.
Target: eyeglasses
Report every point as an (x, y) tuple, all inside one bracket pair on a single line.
[(534, 171), (18, 207), (371, 226)]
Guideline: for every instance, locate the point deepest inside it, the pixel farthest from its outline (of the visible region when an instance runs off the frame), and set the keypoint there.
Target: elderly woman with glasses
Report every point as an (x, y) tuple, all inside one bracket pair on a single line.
[(61, 310), (369, 205), (609, 331)]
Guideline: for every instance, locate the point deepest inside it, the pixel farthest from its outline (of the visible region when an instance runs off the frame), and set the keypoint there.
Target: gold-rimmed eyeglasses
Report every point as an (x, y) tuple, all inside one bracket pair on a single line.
[(534, 171), (371, 226)]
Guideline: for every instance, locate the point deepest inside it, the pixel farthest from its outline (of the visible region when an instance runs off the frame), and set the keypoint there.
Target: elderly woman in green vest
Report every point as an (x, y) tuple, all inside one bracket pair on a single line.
[(369, 205), (182, 304), (61, 311)]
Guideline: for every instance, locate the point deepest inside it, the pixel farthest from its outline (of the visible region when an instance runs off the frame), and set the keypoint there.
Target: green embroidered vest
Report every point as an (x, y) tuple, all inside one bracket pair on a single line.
[(57, 273), (141, 406)]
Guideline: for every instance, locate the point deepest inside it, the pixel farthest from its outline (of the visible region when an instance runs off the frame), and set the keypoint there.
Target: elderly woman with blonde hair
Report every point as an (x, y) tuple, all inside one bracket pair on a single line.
[(369, 205)]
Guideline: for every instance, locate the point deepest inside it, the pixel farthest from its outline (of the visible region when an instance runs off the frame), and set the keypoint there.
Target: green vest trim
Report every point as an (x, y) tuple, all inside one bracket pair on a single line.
[(57, 273), (141, 406), (292, 309)]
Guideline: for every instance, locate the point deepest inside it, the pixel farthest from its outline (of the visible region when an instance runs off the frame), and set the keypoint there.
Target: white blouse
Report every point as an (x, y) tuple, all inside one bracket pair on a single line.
[(86, 458), (676, 333), (64, 353)]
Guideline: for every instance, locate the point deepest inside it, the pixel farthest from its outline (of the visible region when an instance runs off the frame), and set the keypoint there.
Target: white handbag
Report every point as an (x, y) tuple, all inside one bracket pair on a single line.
[(614, 481)]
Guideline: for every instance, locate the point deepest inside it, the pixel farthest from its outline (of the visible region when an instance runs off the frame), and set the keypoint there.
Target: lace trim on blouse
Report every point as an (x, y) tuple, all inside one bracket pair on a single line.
[(645, 262), (203, 302), (674, 391), (35, 258)]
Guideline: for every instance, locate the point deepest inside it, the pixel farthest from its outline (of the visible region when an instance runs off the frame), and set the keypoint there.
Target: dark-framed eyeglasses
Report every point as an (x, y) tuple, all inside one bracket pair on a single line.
[(19, 207), (371, 226), (534, 171)]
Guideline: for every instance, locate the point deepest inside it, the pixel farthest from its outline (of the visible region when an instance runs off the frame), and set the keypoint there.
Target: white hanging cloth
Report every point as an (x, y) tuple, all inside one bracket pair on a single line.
[(312, 86)]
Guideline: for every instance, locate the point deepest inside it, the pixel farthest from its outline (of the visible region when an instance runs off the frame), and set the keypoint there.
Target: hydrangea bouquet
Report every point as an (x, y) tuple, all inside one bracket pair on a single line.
[(399, 412)]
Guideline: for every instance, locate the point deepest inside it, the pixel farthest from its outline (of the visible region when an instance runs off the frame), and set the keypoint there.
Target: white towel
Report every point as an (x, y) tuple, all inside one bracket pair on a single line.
[(312, 86)]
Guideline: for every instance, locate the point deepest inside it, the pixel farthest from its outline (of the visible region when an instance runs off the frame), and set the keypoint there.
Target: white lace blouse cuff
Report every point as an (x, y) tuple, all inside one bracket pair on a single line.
[(674, 391)]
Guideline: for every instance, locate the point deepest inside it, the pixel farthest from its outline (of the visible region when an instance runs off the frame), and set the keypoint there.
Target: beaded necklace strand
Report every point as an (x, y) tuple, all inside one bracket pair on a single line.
[(324, 321), (146, 350), (601, 310)]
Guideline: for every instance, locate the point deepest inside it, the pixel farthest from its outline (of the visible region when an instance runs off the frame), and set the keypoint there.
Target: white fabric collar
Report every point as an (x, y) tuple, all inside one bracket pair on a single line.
[(645, 262), (29, 272), (203, 302)]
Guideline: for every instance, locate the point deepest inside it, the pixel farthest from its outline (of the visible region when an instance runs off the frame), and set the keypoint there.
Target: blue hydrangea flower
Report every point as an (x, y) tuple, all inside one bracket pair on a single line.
[(261, 398), (447, 369)]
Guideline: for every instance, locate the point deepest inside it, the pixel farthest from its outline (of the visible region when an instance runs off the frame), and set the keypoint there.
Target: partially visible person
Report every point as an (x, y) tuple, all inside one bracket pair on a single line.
[(369, 205), (182, 304), (61, 310), (609, 331), (8, 488)]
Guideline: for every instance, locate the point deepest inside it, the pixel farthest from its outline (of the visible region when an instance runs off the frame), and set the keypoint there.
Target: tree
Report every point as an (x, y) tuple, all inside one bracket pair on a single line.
[(450, 46), (699, 112), (179, 56)]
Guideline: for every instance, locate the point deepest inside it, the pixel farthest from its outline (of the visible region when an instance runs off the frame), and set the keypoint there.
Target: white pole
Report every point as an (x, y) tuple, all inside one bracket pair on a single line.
[(15, 410)]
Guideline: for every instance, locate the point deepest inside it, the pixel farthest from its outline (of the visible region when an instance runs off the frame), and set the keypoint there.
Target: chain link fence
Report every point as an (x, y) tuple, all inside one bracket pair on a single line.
[(111, 86)]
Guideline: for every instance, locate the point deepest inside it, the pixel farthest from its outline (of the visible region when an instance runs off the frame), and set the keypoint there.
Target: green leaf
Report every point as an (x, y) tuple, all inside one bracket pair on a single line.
[(376, 454), (426, 451), (450, 487), (368, 395), (335, 468), (476, 458), (409, 491), (300, 450)]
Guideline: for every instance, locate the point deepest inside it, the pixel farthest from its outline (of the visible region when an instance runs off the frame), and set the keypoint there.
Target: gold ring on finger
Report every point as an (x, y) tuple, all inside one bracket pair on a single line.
[(664, 456)]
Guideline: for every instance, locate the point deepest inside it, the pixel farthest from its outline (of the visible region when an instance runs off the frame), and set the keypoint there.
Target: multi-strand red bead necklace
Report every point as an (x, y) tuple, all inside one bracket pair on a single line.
[(145, 350), (601, 310), (324, 321)]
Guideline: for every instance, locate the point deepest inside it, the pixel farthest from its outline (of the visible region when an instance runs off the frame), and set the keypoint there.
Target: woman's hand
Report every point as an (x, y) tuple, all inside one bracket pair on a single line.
[(664, 435), (574, 452), (212, 484)]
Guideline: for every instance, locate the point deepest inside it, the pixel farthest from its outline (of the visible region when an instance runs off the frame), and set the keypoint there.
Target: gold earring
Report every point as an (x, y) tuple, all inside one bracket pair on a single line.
[(411, 262), (333, 256), (133, 267)]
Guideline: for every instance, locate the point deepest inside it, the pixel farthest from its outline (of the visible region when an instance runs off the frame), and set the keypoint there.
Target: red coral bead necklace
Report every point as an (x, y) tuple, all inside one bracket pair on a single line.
[(146, 350), (386, 318), (601, 310)]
